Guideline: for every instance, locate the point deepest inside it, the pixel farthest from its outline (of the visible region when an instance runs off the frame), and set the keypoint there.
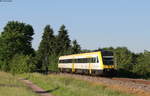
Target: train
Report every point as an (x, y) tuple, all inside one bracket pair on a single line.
[(93, 63)]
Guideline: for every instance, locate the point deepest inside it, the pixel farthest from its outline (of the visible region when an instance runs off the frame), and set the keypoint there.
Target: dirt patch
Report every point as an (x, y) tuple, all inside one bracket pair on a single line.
[(36, 89), (10, 85)]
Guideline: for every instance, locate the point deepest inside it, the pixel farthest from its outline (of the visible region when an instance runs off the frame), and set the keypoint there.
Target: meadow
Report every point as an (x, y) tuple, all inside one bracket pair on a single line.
[(11, 86), (60, 85)]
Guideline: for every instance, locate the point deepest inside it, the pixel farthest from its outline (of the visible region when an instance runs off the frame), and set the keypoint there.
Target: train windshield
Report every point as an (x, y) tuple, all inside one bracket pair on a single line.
[(108, 61), (108, 57)]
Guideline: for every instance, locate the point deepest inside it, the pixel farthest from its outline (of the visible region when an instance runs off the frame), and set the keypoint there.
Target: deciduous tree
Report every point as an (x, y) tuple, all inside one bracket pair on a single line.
[(124, 58), (15, 39), (142, 67)]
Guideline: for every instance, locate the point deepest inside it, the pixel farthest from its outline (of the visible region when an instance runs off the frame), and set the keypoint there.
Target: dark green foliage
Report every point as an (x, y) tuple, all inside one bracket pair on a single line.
[(85, 50), (21, 64), (63, 41), (142, 67), (18, 36), (46, 48), (53, 65), (15, 39), (51, 47), (123, 58), (108, 48), (75, 47)]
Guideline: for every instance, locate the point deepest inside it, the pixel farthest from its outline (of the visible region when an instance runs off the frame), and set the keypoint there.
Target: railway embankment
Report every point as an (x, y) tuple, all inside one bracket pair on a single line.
[(138, 87)]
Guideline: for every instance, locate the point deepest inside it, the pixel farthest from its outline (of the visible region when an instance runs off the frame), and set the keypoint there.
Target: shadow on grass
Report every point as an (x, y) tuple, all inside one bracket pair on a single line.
[(10, 85), (48, 91)]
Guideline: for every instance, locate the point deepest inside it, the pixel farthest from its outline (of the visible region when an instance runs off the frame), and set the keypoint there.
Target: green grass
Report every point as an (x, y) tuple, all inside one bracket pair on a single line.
[(68, 86), (10, 86)]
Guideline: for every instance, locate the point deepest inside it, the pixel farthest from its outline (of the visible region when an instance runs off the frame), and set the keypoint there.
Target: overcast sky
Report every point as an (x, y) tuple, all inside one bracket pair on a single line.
[(94, 23)]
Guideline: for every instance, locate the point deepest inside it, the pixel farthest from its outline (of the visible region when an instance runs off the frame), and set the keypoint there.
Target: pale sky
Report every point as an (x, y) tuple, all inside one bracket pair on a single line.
[(94, 23)]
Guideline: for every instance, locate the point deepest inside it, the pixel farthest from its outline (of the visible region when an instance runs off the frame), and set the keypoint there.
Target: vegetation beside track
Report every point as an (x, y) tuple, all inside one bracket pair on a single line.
[(61, 85), (10, 86), (18, 56)]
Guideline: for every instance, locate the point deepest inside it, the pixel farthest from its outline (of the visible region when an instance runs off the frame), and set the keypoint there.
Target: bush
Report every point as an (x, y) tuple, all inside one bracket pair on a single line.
[(143, 65), (124, 58), (4, 66), (53, 63), (21, 64)]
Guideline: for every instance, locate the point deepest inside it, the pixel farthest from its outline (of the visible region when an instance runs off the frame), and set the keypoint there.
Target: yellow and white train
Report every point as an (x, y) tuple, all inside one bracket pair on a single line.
[(98, 63)]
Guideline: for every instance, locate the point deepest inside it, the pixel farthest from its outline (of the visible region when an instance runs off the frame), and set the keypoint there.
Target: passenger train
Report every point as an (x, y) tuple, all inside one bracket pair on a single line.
[(97, 63)]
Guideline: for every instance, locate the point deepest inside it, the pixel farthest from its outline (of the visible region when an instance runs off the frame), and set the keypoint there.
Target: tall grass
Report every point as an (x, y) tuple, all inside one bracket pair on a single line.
[(68, 86), (10, 86)]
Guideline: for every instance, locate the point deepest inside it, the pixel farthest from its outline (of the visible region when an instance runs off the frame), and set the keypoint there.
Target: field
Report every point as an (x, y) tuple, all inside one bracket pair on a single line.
[(10, 86), (60, 85)]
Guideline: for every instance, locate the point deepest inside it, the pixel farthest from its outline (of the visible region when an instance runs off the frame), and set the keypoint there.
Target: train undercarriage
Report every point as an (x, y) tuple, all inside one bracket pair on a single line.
[(105, 72)]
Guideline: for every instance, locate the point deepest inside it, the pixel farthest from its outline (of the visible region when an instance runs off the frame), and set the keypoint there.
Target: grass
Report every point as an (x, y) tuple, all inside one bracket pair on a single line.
[(68, 86), (10, 86)]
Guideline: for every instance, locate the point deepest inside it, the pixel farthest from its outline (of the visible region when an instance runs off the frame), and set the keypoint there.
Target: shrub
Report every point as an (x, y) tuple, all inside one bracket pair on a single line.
[(143, 65), (21, 64), (53, 63)]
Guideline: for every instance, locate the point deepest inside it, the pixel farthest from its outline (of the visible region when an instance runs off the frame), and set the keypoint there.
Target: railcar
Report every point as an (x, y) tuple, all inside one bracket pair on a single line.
[(97, 63)]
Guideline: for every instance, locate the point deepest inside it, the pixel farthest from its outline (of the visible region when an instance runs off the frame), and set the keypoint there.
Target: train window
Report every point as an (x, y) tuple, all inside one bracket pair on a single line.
[(65, 61), (85, 60), (107, 53), (76, 60), (93, 60), (61, 61), (96, 60), (108, 61), (89, 60), (80, 60), (70, 60)]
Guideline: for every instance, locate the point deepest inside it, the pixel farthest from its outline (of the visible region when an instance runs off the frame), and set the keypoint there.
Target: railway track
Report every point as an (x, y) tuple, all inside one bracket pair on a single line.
[(140, 81)]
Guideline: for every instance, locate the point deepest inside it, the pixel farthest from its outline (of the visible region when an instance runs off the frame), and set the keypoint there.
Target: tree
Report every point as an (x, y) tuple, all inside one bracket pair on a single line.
[(15, 39), (108, 48), (46, 48), (124, 58), (75, 47), (21, 64), (63, 41), (142, 67)]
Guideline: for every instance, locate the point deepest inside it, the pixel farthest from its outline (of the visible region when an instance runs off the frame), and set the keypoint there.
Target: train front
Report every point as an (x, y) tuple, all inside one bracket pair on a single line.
[(108, 63)]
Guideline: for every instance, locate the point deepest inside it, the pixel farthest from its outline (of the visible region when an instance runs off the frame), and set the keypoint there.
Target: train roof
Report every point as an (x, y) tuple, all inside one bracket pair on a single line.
[(87, 53), (104, 53)]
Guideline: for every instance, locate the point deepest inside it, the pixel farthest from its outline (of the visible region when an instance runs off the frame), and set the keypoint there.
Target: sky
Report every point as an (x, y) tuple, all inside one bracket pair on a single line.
[(93, 23)]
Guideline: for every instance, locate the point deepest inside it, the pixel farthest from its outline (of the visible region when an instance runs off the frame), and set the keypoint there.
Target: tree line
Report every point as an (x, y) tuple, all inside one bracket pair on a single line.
[(18, 56)]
